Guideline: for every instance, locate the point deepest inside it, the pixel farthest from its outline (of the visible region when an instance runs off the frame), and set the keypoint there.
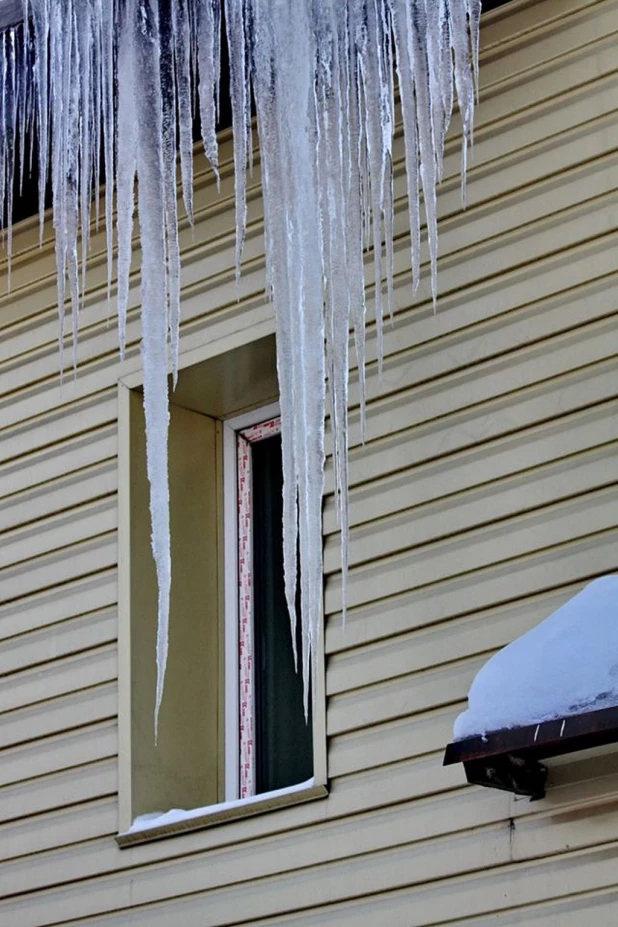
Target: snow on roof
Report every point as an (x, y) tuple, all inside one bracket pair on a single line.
[(565, 666)]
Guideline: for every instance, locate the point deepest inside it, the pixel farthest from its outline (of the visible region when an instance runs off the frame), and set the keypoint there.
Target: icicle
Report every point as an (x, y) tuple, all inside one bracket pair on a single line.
[(208, 26), (108, 118), (126, 169), (353, 147), (72, 181), (239, 90), (88, 143), (10, 123), (473, 8), (182, 63), (463, 80), (169, 120), (152, 217), (288, 146), (322, 76), (60, 36), (40, 16), (24, 79)]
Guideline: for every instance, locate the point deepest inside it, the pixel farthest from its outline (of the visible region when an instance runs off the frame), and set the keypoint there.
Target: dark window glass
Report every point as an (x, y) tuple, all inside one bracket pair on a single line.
[(284, 748)]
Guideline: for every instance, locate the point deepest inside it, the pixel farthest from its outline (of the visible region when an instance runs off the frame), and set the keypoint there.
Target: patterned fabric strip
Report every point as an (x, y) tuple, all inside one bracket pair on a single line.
[(245, 601)]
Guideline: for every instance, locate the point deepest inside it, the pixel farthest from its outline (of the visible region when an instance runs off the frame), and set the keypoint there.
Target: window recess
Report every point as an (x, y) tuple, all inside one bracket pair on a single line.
[(233, 739)]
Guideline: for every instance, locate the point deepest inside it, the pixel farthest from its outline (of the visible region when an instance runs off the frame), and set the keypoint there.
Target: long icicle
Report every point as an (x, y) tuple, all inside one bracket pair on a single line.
[(113, 84)]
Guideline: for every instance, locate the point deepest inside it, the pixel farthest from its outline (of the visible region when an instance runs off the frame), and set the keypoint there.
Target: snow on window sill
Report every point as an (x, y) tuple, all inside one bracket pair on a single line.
[(155, 826)]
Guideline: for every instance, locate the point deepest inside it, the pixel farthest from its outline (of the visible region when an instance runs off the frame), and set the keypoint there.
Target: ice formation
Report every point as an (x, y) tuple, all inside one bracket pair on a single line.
[(110, 86), (564, 666)]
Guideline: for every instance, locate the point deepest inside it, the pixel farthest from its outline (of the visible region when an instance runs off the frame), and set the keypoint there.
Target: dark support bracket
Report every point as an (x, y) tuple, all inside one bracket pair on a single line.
[(509, 759), (510, 773)]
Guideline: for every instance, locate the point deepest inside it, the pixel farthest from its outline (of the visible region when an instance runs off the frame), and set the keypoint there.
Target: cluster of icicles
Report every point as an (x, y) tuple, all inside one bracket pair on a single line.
[(109, 88)]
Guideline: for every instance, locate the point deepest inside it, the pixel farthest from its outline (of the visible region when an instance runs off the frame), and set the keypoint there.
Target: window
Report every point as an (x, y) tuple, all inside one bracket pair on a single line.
[(273, 736), (232, 724)]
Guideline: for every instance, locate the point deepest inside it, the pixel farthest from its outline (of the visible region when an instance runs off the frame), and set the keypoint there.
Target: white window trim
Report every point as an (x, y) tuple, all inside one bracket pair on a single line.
[(231, 428)]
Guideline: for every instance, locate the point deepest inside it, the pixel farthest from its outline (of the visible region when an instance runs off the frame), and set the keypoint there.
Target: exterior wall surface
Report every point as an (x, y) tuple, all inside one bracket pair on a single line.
[(484, 497)]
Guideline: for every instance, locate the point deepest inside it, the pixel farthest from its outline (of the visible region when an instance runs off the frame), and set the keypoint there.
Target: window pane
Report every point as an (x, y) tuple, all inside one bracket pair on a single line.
[(284, 749)]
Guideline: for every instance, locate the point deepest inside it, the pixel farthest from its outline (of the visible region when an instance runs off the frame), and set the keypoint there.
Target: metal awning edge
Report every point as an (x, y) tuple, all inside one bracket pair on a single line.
[(547, 738)]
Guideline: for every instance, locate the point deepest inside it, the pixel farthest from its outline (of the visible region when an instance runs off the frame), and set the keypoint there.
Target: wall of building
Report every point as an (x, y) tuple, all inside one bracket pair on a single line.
[(482, 499)]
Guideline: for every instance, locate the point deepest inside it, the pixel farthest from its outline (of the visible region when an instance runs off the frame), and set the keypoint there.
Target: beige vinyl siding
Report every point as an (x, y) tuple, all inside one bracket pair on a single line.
[(483, 498)]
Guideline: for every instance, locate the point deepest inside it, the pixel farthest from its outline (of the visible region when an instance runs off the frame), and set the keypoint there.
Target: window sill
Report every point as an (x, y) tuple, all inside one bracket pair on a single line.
[(174, 823)]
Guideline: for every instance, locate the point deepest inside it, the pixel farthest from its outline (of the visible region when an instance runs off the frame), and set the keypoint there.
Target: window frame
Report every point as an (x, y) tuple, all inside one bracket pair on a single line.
[(231, 808), (232, 429)]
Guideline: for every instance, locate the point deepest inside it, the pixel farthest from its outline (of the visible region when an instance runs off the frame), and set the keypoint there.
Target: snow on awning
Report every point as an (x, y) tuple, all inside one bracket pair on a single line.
[(565, 666), (554, 690)]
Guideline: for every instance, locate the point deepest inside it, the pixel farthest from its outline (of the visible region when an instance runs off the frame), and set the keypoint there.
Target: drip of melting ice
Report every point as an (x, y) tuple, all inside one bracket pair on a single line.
[(109, 87)]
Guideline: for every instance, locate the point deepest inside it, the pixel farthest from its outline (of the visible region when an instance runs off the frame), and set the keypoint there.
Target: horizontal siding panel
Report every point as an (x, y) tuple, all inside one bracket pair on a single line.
[(70, 491), (34, 376), (52, 754), (324, 882), (60, 677), (445, 641), (57, 462), (491, 502), (98, 375), (353, 798), (552, 37), (51, 643), (464, 264), (555, 281), (496, 891), (391, 742), (502, 349), (66, 713), (363, 912), (79, 524), (402, 697), (423, 818), (48, 831), (471, 427), (496, 344), (422, 858), (50, 398), (494, 379), (514, 174), (64, 422), (43, 609), (537, 838), (58, 790), (385, 829), (570, 912), (569, 437), (480, 548), (519, 21), (463, 595), (571, 193), (484, 890), (59, 566)]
